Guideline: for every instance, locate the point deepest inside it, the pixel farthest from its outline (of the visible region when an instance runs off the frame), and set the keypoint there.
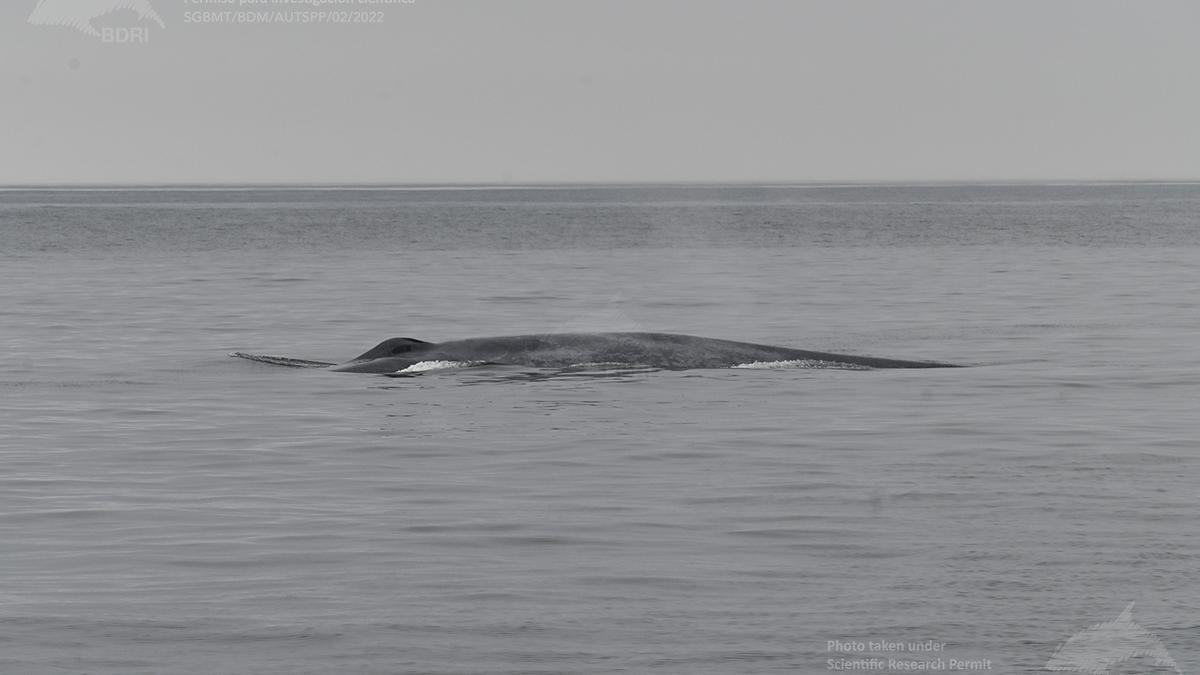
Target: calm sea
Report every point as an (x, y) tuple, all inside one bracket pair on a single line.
[(166, 509)]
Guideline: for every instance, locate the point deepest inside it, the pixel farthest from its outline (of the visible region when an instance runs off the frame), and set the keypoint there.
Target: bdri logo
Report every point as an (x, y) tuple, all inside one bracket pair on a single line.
[(1097, 649), (79, 14)]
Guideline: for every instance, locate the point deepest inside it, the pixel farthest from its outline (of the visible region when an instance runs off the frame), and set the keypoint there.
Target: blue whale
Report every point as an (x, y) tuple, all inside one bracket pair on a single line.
[(561, 350)]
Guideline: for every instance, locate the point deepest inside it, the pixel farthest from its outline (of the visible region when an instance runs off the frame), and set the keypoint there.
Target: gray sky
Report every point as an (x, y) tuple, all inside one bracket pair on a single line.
[(606, 90)]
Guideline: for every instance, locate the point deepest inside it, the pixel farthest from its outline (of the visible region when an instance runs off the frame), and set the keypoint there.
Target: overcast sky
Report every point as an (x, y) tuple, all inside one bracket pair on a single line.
[(604, 90)]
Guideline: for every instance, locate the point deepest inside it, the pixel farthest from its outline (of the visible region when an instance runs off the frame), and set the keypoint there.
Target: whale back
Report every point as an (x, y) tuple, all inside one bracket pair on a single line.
[(559, 350), (659, 350), (397, 346)]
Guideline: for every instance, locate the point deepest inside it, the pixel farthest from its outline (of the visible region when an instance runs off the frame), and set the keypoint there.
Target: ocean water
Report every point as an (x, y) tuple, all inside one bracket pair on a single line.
[(167, 509)]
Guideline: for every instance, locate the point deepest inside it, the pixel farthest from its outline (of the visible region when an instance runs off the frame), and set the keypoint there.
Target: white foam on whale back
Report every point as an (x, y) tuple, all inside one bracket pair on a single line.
[(799, 364), (425, 366)]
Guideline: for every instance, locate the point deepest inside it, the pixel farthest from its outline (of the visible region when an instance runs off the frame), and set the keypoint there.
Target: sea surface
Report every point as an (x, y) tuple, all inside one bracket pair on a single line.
[(166, 509)]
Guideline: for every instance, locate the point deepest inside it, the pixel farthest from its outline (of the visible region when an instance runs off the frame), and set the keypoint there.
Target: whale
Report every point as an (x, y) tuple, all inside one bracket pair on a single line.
[(667, 351)]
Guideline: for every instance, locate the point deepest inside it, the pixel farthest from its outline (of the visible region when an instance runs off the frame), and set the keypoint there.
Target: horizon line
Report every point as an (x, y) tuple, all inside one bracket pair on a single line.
[(482, 185)]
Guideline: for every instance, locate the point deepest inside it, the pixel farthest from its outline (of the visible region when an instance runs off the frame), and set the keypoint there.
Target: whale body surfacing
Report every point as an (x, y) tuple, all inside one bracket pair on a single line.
[(561, 350)]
